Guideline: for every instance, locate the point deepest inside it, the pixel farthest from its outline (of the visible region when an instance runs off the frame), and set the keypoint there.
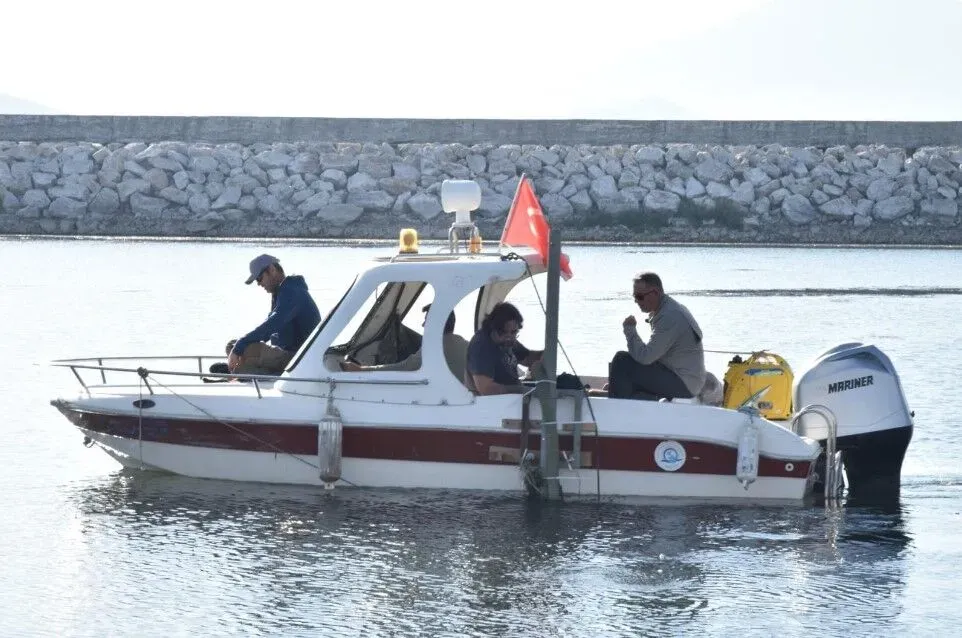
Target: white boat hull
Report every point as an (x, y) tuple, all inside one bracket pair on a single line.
[(271, 467)]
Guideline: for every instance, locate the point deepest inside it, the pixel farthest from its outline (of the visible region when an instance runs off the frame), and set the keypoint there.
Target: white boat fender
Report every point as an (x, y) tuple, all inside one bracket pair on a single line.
[(330, 431), (746, 470)]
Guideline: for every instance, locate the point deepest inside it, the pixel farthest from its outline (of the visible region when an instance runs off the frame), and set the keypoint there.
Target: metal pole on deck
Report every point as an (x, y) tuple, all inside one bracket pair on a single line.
[(547, 388)]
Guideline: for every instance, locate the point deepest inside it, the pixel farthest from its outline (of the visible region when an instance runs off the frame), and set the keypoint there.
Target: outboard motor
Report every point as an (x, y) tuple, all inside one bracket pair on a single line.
[(859, 385)]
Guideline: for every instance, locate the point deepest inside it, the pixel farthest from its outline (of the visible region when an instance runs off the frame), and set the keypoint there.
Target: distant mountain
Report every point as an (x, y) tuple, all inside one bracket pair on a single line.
[(11, 104)]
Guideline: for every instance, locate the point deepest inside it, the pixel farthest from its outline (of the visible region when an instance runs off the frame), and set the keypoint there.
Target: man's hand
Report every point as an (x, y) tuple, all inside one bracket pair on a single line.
[(629, 322), (350, 366), (233, 361)]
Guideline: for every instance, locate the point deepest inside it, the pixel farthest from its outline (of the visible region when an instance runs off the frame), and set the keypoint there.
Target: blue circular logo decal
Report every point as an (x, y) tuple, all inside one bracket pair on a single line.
[(670, 455)]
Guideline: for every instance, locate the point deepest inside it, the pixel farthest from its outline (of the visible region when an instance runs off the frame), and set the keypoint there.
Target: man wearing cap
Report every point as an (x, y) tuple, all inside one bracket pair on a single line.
[(293, 317)]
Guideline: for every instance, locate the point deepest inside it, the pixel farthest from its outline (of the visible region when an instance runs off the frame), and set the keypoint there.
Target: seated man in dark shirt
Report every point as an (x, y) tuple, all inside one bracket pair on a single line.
[(494, 353)]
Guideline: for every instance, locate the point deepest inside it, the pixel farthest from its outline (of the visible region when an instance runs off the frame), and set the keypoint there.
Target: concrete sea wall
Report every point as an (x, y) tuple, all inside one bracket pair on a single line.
[(789, 182)]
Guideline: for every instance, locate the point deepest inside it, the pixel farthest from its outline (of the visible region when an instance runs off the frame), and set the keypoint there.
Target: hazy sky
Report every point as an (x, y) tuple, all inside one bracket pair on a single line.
[(688, 59)]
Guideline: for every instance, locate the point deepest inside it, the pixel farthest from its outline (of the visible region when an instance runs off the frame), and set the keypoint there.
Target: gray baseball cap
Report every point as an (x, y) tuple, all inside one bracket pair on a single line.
[(259, 264)]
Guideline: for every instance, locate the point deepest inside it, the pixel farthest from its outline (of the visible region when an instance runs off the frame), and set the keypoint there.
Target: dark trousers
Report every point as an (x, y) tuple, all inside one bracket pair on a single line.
[(628, 379)]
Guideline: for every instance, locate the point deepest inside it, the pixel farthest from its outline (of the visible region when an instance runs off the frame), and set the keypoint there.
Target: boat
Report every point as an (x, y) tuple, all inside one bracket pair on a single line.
[(316, 424)]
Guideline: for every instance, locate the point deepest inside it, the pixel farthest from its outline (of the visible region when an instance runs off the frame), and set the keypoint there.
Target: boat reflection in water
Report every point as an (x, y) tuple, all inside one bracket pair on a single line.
[(290, 559)]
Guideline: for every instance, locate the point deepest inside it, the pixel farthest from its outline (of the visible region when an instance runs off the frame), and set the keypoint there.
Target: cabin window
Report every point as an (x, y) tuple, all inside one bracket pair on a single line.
[(387, 328)]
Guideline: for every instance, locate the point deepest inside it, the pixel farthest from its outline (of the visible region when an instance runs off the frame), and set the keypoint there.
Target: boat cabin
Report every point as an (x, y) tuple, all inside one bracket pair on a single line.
[(371, 324)]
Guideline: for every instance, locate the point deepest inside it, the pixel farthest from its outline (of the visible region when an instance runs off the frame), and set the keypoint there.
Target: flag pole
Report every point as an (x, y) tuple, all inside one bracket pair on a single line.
[(547, 388)]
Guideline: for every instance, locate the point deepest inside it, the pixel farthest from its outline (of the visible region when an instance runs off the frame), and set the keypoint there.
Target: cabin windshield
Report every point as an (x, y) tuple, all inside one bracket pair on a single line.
[(386, 328)]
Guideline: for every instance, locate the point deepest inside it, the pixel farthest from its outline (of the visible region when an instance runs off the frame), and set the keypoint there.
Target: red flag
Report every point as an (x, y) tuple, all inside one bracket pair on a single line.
[(526, 226)]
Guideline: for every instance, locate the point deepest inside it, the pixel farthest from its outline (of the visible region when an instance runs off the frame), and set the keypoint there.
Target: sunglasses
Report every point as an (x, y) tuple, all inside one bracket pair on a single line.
[(641, 296), (261, 276), (511, 333)]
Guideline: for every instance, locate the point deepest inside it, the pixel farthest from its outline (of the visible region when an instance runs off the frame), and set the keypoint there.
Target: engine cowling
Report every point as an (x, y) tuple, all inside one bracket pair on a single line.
[(859, 384)]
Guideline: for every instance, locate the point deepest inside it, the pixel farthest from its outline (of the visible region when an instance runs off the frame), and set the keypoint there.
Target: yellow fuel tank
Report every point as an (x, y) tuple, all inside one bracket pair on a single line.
[(764, 380)]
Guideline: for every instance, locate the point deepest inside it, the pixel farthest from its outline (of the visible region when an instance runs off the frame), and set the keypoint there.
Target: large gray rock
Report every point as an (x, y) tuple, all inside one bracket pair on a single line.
[(494, 204), (199, 204), (203, 164), (230, 154), (580, 201), (603, 187), (77, 166), (165, 164), (477, 164), (105, 177), (8, 201), (282, 192), (258, 173), (650, 155), (157, 179), (105, 202), (272, 159), (145, 206), (315, 202), (556, 206), (718, 191), (175, 195), (893, 208), (376, 167), (246, 183), (64, 207), (808, 157), (43, 180), (617, 205), (214, 190), (270, 205), (694, 188), (757, 176), (881, 189), (798, 210), (944, 209), (128, 187), (74, 191), (345, 163), (941, 165), (891, 164), (228, 199), (35, 197), (17, 178), (181, 179), (424, 205), (841, 207), (711, 170), (376, 201), (336, 177), (744, 193), (340, 214), (361, 182), (662, 202), (305, 163), (403, 170), (395, 186), (676, 185)]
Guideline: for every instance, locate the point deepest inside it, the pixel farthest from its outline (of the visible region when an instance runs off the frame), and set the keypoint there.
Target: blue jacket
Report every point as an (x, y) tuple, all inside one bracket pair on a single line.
[(293, 317)]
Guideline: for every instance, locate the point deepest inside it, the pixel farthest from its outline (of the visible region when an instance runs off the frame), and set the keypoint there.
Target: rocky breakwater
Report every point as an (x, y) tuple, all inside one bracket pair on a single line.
[(681, 192)]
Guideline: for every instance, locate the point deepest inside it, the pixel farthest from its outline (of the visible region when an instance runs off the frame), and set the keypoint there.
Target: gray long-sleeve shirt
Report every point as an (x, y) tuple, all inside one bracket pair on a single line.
[(675, 342)]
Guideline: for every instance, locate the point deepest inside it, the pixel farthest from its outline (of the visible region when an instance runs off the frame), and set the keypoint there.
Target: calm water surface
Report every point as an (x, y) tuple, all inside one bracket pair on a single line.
[(90, 550)]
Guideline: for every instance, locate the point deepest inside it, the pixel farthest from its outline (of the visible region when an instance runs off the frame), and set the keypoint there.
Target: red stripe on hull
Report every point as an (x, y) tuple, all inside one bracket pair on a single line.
[(433, 445)]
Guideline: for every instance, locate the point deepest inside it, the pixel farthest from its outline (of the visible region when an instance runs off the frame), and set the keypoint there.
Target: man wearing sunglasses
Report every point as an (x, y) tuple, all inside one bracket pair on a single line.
[(494, 353), (672, 363), (268, 348)]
